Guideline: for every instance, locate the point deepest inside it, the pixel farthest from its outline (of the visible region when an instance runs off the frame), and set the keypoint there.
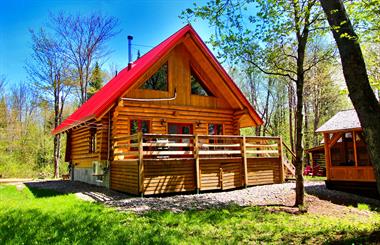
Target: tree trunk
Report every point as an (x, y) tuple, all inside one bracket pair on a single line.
[(301, 49), (57, 153), (290, 100), (57, 138), (355, 73)]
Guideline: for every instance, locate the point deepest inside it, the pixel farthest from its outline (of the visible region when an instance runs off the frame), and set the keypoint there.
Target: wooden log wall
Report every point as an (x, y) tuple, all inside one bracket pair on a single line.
[(124, 176), (264, 171), (160, 116), (165, 176), (102, 138), (80, 148), (221, 174), (79, 143)]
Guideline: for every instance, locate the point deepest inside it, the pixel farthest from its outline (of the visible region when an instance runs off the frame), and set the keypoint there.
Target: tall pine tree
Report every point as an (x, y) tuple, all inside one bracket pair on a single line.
[(96, 81)]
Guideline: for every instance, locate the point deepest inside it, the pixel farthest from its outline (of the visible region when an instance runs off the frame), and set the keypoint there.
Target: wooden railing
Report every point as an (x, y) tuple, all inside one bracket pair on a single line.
[(165, 146), (150, 147), (288, 164)]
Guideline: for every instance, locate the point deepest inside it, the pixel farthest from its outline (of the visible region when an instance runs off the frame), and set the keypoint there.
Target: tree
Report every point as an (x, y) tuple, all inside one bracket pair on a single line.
[(3, 103), (83, 42), (355, 74), (96, 81), (49, 70), (365, 16), (274, 40)]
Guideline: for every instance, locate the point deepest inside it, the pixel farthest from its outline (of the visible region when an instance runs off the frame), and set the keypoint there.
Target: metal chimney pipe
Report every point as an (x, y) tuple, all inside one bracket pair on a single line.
[(130, 49)]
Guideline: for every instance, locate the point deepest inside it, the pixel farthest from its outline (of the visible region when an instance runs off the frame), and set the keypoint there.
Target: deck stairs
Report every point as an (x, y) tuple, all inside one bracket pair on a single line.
[(289, 168)]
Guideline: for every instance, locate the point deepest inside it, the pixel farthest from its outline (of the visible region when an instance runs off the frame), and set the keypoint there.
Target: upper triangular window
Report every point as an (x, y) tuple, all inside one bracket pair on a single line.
[(158, 81), (197, 86)]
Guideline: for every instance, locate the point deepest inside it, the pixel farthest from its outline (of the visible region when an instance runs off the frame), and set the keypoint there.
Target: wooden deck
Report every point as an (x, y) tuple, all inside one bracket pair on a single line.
[(164, 163)]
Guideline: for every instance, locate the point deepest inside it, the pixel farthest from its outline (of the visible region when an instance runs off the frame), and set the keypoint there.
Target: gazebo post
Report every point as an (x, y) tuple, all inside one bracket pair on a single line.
[(355, 151), (327, 154)]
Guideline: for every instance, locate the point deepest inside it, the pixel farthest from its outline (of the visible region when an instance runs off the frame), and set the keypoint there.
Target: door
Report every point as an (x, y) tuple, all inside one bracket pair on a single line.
[(181, 128)]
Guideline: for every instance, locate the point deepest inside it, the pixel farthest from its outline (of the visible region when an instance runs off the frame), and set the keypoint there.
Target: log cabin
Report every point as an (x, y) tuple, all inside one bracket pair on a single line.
[(317, 160), (170, 122), (348, 166)]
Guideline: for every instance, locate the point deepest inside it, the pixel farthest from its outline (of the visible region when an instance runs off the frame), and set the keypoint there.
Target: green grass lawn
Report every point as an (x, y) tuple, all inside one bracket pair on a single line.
[(31, 216), (314, 178)]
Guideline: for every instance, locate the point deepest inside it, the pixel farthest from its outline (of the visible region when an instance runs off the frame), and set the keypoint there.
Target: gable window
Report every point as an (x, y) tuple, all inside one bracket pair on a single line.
[(92, 140), (159, 80), (197, 85), (139, 126)]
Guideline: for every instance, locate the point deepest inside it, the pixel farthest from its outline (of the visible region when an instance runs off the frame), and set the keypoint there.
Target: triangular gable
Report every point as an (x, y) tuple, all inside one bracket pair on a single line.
[(101, 101)]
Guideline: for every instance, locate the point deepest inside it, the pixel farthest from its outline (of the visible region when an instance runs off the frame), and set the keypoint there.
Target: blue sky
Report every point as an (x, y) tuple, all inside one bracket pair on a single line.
[(149, 21)]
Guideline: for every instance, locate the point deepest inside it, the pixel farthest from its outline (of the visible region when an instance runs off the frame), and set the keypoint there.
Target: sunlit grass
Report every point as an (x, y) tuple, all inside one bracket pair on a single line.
[(44, 217), (314, 178)]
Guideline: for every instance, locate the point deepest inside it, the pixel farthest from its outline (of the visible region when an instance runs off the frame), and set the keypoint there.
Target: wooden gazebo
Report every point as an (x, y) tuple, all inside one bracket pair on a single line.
[(347, 161)]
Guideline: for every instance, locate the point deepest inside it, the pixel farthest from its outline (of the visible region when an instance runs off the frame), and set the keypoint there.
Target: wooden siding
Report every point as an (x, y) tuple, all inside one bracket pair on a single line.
[(221, 174), (79, 143), (353, 173), (160, 116), (264, 171), (124, 176), (180, 62), (102, 138), (80, 148), (318, 158), (164, 176)]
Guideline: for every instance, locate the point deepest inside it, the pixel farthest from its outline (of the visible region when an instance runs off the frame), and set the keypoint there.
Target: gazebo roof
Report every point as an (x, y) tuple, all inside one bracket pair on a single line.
[(343, 120)]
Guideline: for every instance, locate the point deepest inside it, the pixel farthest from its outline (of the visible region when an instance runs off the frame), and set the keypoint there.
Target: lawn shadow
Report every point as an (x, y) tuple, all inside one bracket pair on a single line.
[(372, 238), (53, 188), (341, 198)]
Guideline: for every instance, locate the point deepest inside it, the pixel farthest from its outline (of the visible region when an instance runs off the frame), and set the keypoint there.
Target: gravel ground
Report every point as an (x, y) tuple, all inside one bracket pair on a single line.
[(319, 199)]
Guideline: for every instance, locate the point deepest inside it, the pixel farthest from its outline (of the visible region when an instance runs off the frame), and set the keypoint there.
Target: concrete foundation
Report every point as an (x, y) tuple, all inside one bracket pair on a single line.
[(85, 175)]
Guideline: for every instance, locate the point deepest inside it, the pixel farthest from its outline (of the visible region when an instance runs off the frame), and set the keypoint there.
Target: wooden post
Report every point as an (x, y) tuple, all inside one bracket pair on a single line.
[(197, 170), (280, 156), (141, 162), (327, 155), (221, 178), (355, 150), (245, 164)]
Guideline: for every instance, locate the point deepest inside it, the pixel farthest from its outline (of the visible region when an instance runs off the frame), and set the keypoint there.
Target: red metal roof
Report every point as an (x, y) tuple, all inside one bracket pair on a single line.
[(109, 93)]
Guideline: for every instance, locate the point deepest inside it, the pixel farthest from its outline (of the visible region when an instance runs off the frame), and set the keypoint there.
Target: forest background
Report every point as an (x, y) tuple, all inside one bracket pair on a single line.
[(66, 66)]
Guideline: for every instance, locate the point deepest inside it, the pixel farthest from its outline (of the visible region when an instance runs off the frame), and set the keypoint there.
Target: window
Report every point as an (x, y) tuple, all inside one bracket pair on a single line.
[(361, 150), (342, 152), (197, 86), (139, 126), (159, 80), (215, 129), (92, 140)]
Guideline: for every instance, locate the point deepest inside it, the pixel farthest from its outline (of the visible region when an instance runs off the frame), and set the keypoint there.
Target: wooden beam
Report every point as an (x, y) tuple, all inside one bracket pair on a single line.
[(141, 162), (334, 139), (245, 165), (327, 155), (355, 149), (282, 175), (197, 170)]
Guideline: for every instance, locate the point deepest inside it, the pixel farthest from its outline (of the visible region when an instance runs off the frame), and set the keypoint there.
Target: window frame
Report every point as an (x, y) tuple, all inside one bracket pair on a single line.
[(167, 79), (208, 128), (139, 122), (201, 81)]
